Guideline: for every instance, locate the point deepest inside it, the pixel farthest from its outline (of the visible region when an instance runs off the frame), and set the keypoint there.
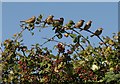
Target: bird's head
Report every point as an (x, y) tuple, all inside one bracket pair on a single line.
[(90, 21), (82, 20), (51, 16), (34, 17), (100, 29), (61, 19)]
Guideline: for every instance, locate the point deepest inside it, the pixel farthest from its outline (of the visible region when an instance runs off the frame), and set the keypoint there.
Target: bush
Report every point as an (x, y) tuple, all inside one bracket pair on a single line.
[(78, 62)]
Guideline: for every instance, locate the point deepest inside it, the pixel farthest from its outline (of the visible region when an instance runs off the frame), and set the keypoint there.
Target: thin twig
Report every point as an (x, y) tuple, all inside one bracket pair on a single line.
[(56, 41), (102, 41), (97, 36), (81, 36), (81, 46), (42, 26), (19, 34), (1, 49), (48, 40)]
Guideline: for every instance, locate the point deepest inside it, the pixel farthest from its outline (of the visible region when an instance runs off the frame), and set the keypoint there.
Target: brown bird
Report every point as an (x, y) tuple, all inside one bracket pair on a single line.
[(87, 25), (79, 24), (97, 32), (58, 22), (48, 20), (30, 20)]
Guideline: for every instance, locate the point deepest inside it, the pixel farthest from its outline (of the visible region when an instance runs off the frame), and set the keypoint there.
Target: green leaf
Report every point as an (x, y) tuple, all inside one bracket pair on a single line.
[(45, 48), (73, 35), (40, 16), (39, 30), (75, 40), (83, 40), (52, 56), (16, 67), (59, 35), (32, 33), (71, 22), (117, 76), (37, 22), (21, 40), (38, 19)]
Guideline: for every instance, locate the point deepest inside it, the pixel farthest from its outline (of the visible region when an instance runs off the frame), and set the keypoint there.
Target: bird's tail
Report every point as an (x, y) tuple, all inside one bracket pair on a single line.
[(22, 21), (91, 35), (81, 30), (44, 24)]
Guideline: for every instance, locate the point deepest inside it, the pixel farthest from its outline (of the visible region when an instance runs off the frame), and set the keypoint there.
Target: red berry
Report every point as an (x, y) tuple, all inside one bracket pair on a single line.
[(91, 74), (84, 71), (101, 43), (69, 52), (19, 62), (81, 76), (24, 64), (85, 78), (59, 45), (94, 78)]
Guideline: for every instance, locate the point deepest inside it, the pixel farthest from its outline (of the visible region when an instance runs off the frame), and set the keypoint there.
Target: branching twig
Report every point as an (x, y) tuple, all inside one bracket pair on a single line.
[(1, 50), (81, 46), (56, 41), (19, 34), (48, 40), (102, 41), (42, 26), (81, 36), (66, 44), (97, 36)]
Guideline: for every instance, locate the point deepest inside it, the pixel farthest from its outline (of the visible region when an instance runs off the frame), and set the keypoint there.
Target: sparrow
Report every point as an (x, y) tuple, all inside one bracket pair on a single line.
[(79, 24), (87, 25), (58, 22), (48, 20), (97, 32), (30, 20)]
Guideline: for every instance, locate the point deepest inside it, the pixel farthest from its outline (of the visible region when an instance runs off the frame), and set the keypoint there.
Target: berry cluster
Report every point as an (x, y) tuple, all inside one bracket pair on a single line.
[(23, 65), (86, 74), (61, 47)]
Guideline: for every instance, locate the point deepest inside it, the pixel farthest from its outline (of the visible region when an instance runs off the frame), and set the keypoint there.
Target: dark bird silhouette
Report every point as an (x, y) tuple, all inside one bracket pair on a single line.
[(87, 25), (97, 32), (48, 20), (58, 22), (79, 24)]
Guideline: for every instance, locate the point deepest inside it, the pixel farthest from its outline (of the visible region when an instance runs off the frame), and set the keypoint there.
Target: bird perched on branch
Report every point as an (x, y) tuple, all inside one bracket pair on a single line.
[(79, 24), (97, 32), (87, 25), (58, 22), (48, 20), (30, 20)]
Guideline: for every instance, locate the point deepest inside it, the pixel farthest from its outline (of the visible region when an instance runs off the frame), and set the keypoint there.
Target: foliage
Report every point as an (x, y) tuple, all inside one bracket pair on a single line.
[(78, 62)]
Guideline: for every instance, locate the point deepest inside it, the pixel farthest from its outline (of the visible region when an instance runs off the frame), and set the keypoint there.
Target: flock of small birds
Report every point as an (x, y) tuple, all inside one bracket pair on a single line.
[(56, 22)]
